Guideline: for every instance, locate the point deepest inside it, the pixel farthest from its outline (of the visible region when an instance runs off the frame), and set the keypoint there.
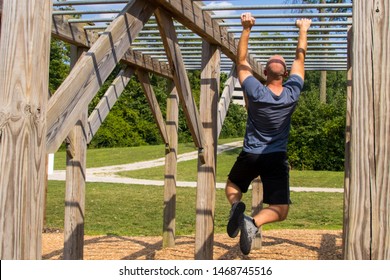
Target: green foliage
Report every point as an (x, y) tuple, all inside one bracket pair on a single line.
[(130, 122), (131, 210), (318, 130), (59, 64), (235, 122), (317, 134)]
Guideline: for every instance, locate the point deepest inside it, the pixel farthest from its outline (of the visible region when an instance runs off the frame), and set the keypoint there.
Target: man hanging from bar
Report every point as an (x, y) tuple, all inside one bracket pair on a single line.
[(264, 152)]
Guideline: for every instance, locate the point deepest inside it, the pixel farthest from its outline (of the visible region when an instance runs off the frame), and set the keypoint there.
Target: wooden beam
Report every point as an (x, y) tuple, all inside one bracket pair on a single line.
[(172, 122), (108, 100), (143, 78), (71, 33), (205, 198), (226, 96), (24, 72), (75, 34), (146, 63), (75, 191), (257, 206), (1, 12), (92, 70), (347, 160), (367, 234), (180, 78), (76, 155), (190, 14)]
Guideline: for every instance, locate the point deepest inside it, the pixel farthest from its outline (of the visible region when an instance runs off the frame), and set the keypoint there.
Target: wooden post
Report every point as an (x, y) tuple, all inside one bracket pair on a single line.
[(88, 75), (205, 198), (368, 230), (143, 78), (257, 205), (172, 124), (75, 191), (226, 96), (1, 11), (175, 58), (76, 153), (24, 72), (347, 137)]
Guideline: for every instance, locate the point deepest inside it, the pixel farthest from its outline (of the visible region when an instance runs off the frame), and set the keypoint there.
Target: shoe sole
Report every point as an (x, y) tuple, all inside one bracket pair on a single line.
[(233, 225), (245, 240), (245, 244)]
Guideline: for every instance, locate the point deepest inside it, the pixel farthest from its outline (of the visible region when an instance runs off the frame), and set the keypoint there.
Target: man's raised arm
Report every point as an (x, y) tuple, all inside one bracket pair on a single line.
[(298, 66), (243, 68)]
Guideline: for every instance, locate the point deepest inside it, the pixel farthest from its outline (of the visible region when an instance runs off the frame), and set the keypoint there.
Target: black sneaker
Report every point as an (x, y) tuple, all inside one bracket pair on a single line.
[(235, 219), (248, 234)]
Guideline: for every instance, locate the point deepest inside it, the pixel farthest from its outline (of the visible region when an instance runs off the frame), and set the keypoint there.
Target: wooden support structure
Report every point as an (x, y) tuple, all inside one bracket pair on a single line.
[(367, 229), (257, 205), (1, 11), (31, 126), (172, 124), (347, 140), (226, 97), (76, 158), (75, 34), (75, 190), (191, 15), (143, 77), (24, 84), (205, 198), (108, 100), (92, 70), (180, 78)]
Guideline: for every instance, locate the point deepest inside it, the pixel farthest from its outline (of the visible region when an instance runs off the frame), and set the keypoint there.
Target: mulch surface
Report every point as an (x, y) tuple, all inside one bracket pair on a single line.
[(276, 245)]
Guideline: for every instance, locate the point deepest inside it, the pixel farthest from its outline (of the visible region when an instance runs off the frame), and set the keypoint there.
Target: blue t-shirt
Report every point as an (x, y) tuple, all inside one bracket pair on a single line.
[(269, 115)]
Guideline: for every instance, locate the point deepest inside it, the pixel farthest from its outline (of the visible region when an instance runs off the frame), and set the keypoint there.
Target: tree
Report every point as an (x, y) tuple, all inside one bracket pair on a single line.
[(59, 64), (318, 130)]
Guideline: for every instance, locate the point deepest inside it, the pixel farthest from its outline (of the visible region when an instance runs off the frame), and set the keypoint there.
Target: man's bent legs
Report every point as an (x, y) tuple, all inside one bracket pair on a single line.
[(233, 193), (272, 213)]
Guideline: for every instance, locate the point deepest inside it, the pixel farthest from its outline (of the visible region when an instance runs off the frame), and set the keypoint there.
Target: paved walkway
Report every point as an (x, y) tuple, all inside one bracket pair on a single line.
[(107, 174)]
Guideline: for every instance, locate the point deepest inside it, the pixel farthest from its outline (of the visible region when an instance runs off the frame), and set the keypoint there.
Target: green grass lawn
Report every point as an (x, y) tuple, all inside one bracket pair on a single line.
[(132, 210), (115, 156), (187, 171)]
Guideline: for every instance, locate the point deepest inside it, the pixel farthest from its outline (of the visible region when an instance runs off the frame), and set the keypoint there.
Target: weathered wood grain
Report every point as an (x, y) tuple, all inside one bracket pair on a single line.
[(380, 24), (76, 159), (72, 33), (367, 235), (75, 34), (175, 58), (206, 183), (347, 164), (108, 100), (172, 124), (1, 11), (143, 78), (190, 14), (24, 82), (92, 70), (75, 191), (257, 205), (226, 96)]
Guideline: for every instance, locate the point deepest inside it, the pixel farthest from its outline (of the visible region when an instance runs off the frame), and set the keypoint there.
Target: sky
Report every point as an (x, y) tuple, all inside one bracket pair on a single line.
[(215, 2)]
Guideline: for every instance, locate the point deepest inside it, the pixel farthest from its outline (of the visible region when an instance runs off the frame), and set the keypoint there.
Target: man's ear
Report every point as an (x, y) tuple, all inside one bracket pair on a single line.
[(286, 74)]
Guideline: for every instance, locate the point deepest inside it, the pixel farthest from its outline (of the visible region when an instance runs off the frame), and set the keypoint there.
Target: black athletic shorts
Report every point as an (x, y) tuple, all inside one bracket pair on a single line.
[(273, 170)]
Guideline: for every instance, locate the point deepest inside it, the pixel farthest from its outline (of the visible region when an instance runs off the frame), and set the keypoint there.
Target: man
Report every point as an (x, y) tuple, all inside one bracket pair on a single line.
[(264, 151)]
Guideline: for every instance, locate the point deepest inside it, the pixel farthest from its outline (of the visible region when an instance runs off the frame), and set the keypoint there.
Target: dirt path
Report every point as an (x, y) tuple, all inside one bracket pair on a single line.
[(277, 245)]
